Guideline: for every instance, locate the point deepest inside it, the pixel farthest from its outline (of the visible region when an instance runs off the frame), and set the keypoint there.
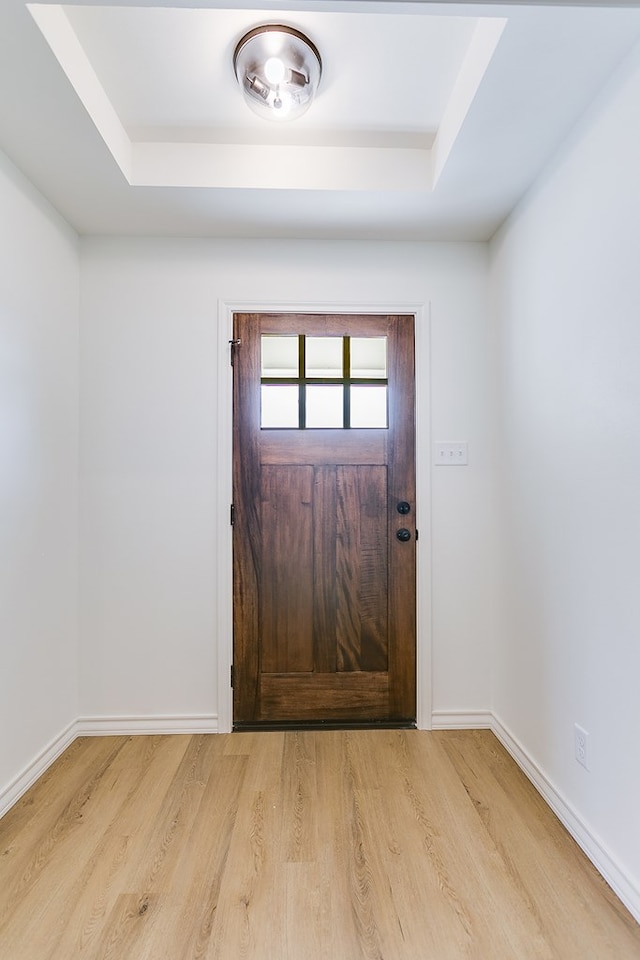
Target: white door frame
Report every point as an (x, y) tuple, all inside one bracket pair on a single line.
[(223, 496)]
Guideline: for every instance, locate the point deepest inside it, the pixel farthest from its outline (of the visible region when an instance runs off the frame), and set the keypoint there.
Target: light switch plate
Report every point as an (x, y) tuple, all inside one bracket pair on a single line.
[(452, 454)]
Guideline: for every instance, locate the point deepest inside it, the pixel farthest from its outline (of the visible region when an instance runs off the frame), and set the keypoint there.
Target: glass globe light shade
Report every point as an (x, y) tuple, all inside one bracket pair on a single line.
[(278, 70)]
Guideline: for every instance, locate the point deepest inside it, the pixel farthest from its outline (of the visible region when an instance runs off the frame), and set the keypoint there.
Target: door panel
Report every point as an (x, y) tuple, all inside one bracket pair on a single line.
[(361, 567), (286, 629), (324, 592)]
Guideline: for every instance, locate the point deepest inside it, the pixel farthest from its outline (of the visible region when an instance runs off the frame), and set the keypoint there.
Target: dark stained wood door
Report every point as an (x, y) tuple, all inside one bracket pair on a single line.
[(324, 589)]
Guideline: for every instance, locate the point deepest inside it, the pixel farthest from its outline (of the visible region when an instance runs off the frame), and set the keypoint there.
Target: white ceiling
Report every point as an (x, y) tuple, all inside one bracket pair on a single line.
[(431, 120), (172, 68)]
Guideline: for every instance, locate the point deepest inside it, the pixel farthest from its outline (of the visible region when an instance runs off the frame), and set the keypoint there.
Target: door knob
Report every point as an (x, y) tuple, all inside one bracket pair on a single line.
[(403, 534), (403, 507)]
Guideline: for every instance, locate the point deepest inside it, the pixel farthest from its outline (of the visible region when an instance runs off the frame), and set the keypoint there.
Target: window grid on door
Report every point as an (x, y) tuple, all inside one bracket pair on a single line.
[(329, 401)]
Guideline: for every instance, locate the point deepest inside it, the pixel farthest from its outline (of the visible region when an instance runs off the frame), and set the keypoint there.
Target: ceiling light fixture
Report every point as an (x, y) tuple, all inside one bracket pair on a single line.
[(278, 69)]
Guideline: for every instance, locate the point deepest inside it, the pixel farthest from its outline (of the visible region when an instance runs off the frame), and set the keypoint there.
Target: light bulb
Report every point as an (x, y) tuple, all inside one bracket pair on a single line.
[(274, 70)]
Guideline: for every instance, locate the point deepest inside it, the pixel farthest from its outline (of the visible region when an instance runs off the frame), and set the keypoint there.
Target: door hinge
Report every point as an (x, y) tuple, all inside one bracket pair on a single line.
[(234, 344), (231, 677), (232, 515), (416, 535)]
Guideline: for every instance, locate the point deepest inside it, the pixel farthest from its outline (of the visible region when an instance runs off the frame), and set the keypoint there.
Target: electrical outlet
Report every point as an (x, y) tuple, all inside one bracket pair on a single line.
[(581, 742)]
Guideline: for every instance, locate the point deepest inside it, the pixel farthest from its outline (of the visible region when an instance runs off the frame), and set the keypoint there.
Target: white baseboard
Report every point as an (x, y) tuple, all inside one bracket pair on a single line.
[(596, 850), (461, 720), (15, 789), (132, 726)]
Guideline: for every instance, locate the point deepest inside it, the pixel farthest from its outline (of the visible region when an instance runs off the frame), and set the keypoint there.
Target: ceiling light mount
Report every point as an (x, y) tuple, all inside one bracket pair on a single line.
[(278, 69)]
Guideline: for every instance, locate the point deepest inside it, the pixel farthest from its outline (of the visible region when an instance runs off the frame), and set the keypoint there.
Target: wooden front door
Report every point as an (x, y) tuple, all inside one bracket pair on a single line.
[(324, 519)]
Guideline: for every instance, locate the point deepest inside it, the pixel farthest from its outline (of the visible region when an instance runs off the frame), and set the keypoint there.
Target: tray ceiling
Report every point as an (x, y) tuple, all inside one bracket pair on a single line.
[(431, 119)]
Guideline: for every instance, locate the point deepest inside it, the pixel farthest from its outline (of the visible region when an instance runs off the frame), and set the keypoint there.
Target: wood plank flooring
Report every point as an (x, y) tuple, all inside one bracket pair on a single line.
[(330, 845)]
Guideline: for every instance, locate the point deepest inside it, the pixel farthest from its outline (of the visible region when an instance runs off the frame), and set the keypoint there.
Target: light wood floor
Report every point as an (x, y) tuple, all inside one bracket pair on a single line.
[(274, 846)]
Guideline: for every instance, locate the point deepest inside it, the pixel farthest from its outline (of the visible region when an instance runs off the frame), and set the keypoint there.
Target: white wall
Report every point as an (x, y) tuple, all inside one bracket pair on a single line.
[(38, 476), (149, 470), (566, 287)]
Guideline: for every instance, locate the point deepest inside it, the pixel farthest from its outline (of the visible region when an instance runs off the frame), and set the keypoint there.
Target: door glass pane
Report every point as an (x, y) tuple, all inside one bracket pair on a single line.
[(279, 406), (368, 407), (279, 356), (369, 357), (325, 406), (324, 356)]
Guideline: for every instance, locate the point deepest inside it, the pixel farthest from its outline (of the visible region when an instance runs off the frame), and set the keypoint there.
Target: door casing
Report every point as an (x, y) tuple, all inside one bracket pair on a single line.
[(223, 498)]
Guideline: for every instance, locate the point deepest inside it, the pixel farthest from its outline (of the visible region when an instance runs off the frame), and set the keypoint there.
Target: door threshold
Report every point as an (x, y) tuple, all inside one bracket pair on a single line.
[(324, 725)]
